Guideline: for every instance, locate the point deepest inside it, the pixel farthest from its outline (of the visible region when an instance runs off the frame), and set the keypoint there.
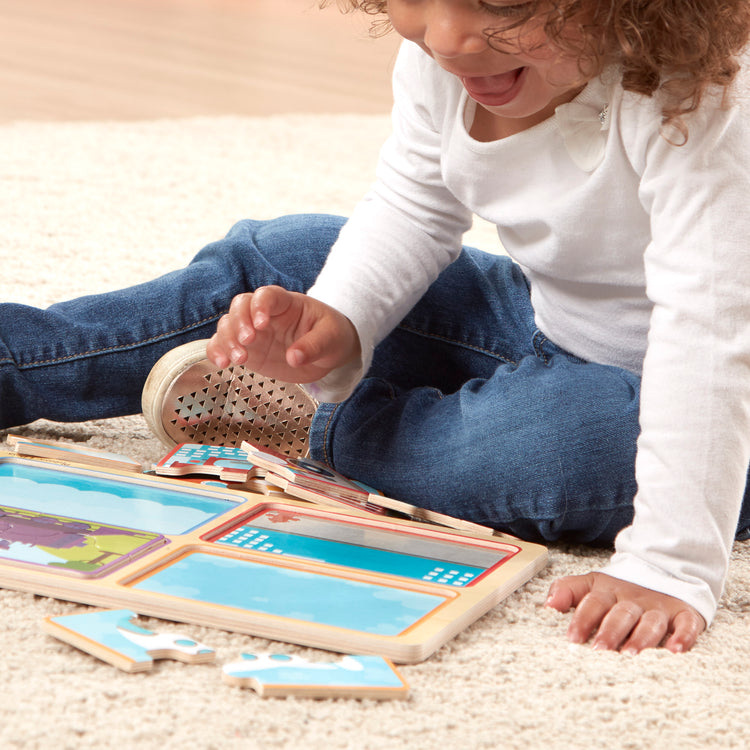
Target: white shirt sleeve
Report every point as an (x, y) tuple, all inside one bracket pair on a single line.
[(694, 447), (398, 239)]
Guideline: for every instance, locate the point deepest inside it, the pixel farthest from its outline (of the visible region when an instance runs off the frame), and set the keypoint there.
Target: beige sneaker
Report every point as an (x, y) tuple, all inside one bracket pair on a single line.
[(186, 399)]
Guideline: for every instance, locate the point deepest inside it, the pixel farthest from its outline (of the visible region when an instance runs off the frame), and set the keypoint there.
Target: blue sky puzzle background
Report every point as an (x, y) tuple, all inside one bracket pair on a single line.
[(296, 594)]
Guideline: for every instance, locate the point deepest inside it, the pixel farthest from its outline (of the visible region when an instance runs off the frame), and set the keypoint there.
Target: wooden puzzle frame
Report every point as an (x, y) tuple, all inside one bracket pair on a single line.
[(332, 578)]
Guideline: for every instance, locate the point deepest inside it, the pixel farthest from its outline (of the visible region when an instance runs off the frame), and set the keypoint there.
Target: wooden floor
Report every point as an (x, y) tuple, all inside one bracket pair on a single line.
[(145, 59)]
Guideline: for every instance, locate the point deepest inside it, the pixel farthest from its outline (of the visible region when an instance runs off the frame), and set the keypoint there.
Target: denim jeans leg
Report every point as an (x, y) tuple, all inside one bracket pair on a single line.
[(470, 411), (88, 358), (743, 525)]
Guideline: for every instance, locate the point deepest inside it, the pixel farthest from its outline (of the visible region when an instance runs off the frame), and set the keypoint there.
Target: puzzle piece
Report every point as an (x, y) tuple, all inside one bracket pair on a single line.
[(360, 677), (259, 486), (71, 545), (113, 637), (317, 483), (72, 452), (226, 463), (312, 480)]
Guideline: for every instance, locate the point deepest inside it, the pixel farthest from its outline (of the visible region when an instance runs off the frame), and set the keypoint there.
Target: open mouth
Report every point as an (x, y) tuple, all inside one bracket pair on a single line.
[(494, 91)]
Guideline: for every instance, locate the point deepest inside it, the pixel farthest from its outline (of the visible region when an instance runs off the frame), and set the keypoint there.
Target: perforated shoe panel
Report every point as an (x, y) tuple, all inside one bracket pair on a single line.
[(226, 406)]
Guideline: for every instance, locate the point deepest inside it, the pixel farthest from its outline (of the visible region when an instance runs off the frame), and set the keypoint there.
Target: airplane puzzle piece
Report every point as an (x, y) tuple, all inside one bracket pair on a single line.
[(114, 637), (350, 677)]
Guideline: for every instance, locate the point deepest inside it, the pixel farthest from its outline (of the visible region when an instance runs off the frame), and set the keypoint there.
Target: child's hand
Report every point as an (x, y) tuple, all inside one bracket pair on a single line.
[(624, 617), (284, 335)]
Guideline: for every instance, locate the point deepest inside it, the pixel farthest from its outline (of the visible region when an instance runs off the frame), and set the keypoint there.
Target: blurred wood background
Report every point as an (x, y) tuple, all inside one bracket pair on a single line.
[(146, 59)]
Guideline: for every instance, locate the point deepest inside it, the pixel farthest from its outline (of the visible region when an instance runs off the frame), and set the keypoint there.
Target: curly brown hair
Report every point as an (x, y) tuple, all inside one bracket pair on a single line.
[(679, 48)]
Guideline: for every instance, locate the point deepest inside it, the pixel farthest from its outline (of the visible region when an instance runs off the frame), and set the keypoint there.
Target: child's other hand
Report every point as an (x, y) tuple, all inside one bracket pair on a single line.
[(623, 616), (284, 335)]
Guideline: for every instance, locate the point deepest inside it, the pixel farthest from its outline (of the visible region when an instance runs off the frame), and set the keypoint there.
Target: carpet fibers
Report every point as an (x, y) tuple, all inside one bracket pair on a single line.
[(94, 206)]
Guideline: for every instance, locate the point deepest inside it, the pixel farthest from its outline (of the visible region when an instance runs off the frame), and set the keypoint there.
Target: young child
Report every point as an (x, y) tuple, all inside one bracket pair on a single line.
[(596, 388)]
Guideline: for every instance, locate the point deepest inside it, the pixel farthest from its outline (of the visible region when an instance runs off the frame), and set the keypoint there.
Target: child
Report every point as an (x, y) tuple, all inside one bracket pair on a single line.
[(597, 389)]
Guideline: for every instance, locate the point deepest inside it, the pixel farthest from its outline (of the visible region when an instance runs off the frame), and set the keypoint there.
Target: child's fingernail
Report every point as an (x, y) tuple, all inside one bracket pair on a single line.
[(574, 636)]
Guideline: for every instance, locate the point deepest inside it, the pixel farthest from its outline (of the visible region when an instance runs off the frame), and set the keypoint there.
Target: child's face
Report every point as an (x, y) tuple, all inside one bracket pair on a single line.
[(521, 76)]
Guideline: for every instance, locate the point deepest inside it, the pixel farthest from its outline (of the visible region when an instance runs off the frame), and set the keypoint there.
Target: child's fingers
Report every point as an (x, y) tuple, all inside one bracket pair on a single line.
[(266, 303), (681, 631), (648, 633), (234, 332), (623, 615), (330, 343), (234, 338), (223, 348), (311, 348), (216, 352), (628, 626), (238, 321), (590, 614), (687, 626), (565, 593), (283, 334)]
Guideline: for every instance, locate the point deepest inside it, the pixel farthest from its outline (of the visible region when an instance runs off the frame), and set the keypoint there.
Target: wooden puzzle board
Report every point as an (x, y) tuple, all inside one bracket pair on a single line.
[(335, 579)]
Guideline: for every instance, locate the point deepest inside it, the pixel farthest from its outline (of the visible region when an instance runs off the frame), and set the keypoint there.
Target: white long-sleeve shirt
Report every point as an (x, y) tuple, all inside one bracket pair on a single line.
[(638, 255)]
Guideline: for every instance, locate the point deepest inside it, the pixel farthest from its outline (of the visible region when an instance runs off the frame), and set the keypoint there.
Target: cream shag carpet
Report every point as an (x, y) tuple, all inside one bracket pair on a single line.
[(95, 206)]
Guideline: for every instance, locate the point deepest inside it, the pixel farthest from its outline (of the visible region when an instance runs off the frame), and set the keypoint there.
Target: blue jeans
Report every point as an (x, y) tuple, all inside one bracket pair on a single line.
[(468, 408)]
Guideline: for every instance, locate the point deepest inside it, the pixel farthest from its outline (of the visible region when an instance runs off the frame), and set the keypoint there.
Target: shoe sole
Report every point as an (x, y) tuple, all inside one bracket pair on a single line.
[(187, 399)]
